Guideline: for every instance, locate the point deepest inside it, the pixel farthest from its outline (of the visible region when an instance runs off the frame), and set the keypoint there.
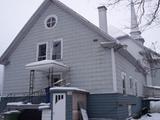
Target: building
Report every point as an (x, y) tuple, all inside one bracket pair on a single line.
[(60, 51)]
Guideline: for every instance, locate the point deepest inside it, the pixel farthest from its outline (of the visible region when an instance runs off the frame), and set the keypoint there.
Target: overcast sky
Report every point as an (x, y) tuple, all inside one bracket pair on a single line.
[(15, 13)]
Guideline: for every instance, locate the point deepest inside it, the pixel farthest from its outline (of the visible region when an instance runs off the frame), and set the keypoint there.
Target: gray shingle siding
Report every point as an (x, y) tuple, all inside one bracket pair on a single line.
[(89, 62), (114, 106), (122, 65), (102, 106), (156, 74), (69, 107)]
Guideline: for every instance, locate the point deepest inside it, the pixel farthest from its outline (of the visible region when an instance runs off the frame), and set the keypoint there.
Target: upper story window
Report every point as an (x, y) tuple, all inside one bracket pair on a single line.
[(57, 50), (51, 21), (42, 51)]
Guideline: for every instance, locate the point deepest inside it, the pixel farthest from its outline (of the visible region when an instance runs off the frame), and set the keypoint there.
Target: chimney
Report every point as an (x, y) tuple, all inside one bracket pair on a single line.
[(103, 18)]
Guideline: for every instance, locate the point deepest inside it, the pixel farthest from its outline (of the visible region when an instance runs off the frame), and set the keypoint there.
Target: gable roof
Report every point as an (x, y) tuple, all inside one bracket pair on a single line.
[(115, 32), (36, 16)]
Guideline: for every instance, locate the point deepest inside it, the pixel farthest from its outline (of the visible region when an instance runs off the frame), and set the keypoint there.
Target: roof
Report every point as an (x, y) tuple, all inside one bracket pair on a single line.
[(119, 34), (46, 64), (115, 32), (34, 18), (120, 48), (68, 89)]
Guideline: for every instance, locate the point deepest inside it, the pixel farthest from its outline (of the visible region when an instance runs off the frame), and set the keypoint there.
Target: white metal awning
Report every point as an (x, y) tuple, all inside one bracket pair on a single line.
[(45, 65)]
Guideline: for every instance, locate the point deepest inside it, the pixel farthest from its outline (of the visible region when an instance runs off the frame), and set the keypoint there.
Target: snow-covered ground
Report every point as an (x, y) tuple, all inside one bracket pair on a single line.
[(152, 116), (155, 112)]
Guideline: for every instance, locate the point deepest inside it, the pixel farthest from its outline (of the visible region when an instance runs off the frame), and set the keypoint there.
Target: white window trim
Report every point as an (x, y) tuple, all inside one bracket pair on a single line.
[(61, 40), (41, 43), (45, 21)]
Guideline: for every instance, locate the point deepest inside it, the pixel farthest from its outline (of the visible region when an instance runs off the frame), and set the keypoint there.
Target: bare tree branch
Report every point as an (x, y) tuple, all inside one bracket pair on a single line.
[(147, 11)]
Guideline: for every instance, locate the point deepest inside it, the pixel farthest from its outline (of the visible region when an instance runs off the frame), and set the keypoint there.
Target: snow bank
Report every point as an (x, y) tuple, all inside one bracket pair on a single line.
[(155, 106)]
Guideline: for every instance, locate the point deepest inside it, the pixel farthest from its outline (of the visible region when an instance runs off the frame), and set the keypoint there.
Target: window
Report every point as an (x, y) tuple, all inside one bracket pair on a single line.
[(50, 21), (42, 52), (136, 88), (55, 80), (57, 50), (123, 75), (131, 82)]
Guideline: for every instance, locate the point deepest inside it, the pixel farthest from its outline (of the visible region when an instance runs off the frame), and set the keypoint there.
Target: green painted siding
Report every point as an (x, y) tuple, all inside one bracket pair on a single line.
[(114, 106), (68, 107)]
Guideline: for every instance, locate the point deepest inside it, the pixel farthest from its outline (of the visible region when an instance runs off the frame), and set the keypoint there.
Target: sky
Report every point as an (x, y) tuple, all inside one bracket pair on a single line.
[(15, 13)]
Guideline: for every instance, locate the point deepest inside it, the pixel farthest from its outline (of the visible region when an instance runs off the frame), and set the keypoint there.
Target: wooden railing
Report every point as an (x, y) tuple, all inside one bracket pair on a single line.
[(152, 91)]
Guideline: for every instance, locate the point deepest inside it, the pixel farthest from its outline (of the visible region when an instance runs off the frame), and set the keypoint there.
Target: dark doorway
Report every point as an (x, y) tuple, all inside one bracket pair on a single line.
[(30, 115)]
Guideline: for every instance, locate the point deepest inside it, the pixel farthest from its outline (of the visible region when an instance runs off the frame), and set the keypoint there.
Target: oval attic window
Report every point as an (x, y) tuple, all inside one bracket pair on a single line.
[(50, 21)]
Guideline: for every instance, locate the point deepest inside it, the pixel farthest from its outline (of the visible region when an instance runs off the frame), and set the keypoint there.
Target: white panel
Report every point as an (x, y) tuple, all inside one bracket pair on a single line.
[(59, 106)]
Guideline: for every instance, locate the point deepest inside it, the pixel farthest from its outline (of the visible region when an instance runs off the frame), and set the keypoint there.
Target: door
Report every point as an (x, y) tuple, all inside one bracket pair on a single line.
[(59, 106)]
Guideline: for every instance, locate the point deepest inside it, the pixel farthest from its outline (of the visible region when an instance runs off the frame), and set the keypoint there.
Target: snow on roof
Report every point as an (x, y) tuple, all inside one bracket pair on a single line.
[(115, 32), (44, 104), (44, 107), (45, 64), (156, 87), (152, 98), (15, 103), (68, 88), (12, 111)]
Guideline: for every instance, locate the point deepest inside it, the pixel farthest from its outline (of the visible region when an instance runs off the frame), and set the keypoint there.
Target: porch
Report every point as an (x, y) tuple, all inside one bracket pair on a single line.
[(152, 92), (42, 95), (49, 68)]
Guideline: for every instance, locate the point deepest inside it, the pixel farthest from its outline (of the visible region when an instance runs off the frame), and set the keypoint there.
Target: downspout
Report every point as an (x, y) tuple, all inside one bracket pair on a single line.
[(114, 75), (102, 10)]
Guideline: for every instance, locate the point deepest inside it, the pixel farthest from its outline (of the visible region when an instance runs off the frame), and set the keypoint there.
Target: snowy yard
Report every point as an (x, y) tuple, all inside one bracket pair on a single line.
[(152, 116), (155, 111)]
